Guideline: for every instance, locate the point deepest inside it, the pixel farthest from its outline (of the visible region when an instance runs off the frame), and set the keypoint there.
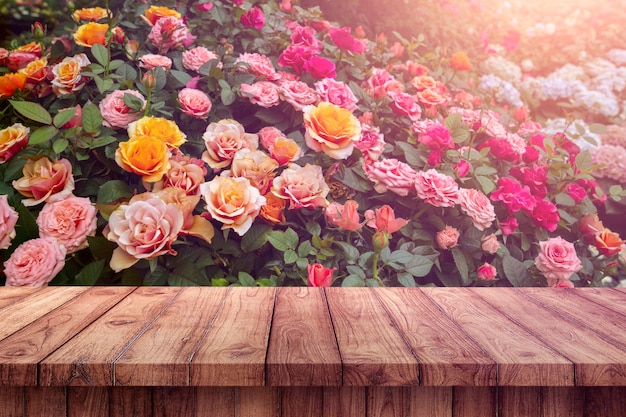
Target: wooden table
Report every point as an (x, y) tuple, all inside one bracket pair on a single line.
[(164, 351)]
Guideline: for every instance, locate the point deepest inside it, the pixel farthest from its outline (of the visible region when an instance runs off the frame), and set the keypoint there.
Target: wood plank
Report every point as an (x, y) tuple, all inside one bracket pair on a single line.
[(173, 402), (45, 401), (519, 401), (605, 401), (25, 311), (9, 295), (87, 402), (562, 401), (258, 402), (130, 402), (447, 356), (161, 355), (302, 348), (12, 400), (88, 358), (301, 401), (527, 363), (344, 401), (215, 401), (387, 401), (430, 401), (474, 401), (372, 350), (608, 297), (20, 353), (234, 351), (597, 361)]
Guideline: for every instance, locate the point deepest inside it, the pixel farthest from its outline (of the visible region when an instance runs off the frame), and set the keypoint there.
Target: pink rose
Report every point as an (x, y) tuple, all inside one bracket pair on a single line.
[(344, 216), (391, 174), (490, 244), (545, 214), (462, 168), (143, 229), (262, 93), (557, 260), (478, 207), (513, 195), (405, 104), (487, 272), (509, 225), (377, 82), (436, 188), (223, 139), (8, 220), (185, 173), (431, 97), (319, 275), (45, 180), (295, 56), (253, 18), (233, 202), (577, 192), (320, 67), (301, 186), (305, 36), (447, 238), (336, 92), (204, 7), (76, 120), (35, 263), (115, 113), (19, 60), (194, 103), (259, 65), (69, 221), (372, 143), (383, 219), (152, 61), (268, 136), (344, 40), (169, 32), (195, 58), (298, 94), (12, 140)]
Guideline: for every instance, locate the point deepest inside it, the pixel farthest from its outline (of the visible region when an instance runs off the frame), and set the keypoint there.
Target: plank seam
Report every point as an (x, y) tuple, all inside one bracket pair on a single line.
[(332, 323), (269, 338)]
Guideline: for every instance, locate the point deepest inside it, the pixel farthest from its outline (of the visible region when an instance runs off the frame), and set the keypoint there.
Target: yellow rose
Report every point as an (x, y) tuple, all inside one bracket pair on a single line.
[(144, 155), (331, 129), (91, 14), (154, 13), (157, 127), (12, 140), (91, 33)]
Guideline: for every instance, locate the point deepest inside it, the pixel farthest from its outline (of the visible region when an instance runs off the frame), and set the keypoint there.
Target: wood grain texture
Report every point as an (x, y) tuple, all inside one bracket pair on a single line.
[(173, 402), (562, 401), (519, 401), (9, 295), (597, 361), (302, 348), (474, 401), (344, 401), (605, 401), (130, 402), (258, 402), (301, 402), (372, 350), (88, 358), (88, 402), (45, 401), (430, 401), (387, 401), (234, 351), (20, 353), (12, 400), (527, 363), (447, 355), (216, 401), (161, 355), (610, 298)]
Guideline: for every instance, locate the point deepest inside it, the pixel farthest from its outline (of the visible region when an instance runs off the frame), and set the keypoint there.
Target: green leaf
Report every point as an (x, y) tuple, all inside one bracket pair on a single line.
[(406, 279), (302, 263), (453, 120), (353, 281), (42, 134), (255, 237), (278, 240), (397, 259), (292, 238), (133, 102), (515, 271), (597, 128), (584, 162), (419, 266), (188, 274), (314, 228), (486, 184), (63, 117), (100, 247), (219, 282), (126, 72), (246, 279), (32, 111), (354, 181), (564, 199), (103, 84), (290, 256), (461, 263), (412, 155), (351, 254), (112, 191), (90, 273), (355, 270), (60, 145), (306, 249), (182, 77), (92, 119), (101, 54)]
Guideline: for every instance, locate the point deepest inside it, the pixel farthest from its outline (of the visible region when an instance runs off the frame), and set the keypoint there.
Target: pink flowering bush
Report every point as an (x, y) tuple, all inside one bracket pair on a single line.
[(232, 143)]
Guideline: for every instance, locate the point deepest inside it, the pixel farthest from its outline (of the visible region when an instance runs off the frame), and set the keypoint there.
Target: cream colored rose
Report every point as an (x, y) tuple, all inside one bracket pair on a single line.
[(67, 76), (331, 129), (256, 166), (233, 202), (223, 139), (45, 180), (302, 186)]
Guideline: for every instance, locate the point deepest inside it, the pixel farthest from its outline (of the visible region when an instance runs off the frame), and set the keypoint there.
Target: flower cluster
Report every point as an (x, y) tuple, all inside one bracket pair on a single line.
[(231, 143)]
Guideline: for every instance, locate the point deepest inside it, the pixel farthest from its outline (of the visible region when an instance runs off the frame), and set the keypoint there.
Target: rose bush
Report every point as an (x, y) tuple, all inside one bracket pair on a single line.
[(335, 159)]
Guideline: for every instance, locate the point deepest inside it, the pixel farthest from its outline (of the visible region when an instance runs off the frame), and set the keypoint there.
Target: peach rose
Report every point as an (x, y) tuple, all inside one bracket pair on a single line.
[(319, 276), (285, 150), (143, 229), (430, 97), (261, 93), (185, 173), (274, 209), (298, 94), (10, 83), (331, 129), (158, 127), (152, 61), (302, 186), (34, 263), (437, 189), (91, 14), (8, 220), (478, 207), (223, 139), (608, 243), (115, 113), (90, 34), (12, 140), (35, 71), (69, 221), (557, 260), (383, 219), (31, 47), (256, 166), (344, 216), (258, 65), (194, 103), (490, 244), (233, 202), (67, 78), (45, 180), (268, 136), (154, 13), (448, 237), (487, 272), (390, 174), (144, 155), (196, 57)]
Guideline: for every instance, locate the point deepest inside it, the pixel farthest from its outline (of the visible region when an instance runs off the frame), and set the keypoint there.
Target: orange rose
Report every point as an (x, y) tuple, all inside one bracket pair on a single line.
[(91, 33), (12, 140), (165, 130), (460, 61), (35, 71), (319, 275), (32, 47), (331, 129), (274, 209), (45, 180), (285, 150), (430, 97), (608, 243), (11, 82), (154, 13), (422, 82), (144, 155), (91, 14)]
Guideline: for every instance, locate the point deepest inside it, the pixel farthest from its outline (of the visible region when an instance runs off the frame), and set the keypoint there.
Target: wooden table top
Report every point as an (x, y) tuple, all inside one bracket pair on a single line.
[(199, 336)]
